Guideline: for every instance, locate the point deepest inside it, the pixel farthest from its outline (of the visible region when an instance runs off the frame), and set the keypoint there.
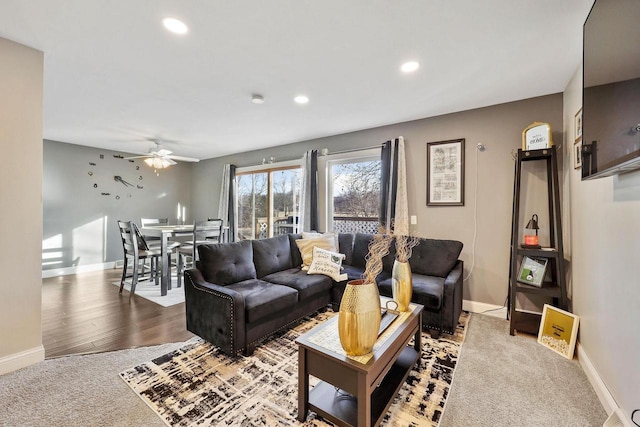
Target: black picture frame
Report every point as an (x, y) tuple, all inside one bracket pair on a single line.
[(445, 173)]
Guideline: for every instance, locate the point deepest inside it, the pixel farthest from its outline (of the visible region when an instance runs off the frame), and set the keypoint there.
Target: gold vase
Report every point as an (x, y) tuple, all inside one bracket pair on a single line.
[(401, 284), (359, 317)]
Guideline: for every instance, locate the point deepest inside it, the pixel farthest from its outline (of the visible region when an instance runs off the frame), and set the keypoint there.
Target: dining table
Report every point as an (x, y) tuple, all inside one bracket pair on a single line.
[(164, 232)]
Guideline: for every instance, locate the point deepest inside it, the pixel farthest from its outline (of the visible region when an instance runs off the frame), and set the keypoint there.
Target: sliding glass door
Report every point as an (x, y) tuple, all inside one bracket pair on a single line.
[(268, 202)]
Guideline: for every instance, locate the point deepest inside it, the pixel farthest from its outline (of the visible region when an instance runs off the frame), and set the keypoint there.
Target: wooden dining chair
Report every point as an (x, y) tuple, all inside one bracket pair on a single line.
[(135, 249), (204, 232)]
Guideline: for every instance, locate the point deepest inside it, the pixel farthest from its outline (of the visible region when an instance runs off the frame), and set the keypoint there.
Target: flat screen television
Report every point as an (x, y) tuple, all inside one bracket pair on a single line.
[(611, 89)]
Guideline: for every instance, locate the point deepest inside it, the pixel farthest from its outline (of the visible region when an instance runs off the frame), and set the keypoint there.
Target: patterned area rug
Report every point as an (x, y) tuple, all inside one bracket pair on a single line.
[(147, 289), (199, 385)]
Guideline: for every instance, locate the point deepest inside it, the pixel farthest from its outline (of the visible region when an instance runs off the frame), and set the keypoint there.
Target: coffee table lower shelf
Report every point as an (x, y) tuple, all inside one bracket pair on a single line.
[(341, 407)]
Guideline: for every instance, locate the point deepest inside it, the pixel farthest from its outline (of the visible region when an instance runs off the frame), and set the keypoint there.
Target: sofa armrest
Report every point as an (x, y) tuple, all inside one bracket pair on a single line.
[(214, 312), (455, 275), (452, 298)]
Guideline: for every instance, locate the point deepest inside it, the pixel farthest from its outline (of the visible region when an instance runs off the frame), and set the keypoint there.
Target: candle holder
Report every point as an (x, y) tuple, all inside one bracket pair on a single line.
[(531, 240)]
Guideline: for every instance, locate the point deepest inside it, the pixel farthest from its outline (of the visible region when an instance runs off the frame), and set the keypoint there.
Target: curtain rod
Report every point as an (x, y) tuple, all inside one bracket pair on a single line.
[(354, 149), (328, 153)]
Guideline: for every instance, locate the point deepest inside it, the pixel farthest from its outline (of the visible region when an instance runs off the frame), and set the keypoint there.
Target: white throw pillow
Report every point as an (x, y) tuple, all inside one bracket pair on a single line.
[(306, 247), (328, 263)]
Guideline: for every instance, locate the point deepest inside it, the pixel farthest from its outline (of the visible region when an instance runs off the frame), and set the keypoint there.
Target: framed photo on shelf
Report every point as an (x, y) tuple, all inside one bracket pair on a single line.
[(537, 136), (558, 330), (577, 125), (532, 271), (445, 173)]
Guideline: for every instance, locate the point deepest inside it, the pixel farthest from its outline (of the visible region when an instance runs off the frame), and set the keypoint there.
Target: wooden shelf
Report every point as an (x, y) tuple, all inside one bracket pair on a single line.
[(549, 289), (540, 253), (341, 407), (527, 322), (555, 287)]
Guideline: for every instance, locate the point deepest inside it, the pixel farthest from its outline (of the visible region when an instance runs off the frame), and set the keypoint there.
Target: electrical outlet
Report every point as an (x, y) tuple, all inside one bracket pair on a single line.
[(414, 220)]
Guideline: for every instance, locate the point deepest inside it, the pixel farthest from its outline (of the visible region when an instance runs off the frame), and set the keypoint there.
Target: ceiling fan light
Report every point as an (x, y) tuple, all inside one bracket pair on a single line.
[(166, 163), (157, 163), (149, 161)]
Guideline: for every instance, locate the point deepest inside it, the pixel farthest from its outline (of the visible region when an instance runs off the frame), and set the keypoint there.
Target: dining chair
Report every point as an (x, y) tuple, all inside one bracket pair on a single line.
[(135, 249), (204, 232)]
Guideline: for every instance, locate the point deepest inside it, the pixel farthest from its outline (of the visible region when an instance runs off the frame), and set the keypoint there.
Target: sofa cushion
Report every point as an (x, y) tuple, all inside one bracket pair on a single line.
[(226, 263), (296, 257), (433, 257), (360, 249), (345, 246), (262, 298), (353, 272), (427, 290), (271, 255), (306, 285)]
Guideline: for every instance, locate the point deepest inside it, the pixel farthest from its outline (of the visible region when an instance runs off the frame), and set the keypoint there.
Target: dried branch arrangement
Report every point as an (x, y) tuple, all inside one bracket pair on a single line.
[(404, 247), (378, 248)]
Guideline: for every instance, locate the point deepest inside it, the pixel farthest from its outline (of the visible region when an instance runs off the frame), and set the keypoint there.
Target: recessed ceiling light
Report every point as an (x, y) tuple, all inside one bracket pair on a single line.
[(257, 99), (301, 99), (175, 25), (409, 67)]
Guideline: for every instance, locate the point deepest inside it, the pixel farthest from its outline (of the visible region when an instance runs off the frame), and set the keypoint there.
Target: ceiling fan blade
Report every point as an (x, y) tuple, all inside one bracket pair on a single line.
[(169, 160), (138, 157), (183, 159)]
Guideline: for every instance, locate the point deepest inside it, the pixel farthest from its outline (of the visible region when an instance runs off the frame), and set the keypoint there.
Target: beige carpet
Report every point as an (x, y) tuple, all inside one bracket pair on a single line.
[(198, 385)]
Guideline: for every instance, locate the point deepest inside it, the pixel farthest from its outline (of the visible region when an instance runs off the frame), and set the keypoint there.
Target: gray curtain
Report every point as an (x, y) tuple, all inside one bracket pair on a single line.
[(309, 219), (227, 207), (393, 192)]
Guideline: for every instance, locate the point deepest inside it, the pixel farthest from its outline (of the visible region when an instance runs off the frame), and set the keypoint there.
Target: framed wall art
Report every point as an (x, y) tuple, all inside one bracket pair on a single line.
[(445, 173), (577, 154), (558, 330), (577, 125)]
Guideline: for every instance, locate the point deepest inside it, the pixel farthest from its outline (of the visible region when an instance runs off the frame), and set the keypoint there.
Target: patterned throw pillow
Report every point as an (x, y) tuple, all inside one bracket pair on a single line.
[(306, 247), (328, 263)]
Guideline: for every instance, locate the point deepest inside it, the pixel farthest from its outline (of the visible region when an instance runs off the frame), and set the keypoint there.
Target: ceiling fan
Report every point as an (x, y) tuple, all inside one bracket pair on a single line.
[(161, 158)]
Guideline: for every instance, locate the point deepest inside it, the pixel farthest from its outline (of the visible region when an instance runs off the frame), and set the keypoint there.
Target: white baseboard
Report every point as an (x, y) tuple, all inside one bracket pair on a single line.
[(607, 400), (484, 308), (20, 360), (79, 269)]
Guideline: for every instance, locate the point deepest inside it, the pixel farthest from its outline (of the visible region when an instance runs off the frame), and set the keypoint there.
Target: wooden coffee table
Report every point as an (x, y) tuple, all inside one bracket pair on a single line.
[(356, 391)]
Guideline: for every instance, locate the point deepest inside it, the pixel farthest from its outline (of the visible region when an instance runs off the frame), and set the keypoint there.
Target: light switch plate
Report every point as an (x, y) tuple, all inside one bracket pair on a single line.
[(414, 219)]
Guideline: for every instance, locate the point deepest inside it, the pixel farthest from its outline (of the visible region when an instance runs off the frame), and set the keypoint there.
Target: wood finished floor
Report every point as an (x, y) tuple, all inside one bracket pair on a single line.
[(84, 313)]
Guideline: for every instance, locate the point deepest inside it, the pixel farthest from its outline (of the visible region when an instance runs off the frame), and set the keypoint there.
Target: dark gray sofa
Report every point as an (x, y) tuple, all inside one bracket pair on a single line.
[(240, 293)]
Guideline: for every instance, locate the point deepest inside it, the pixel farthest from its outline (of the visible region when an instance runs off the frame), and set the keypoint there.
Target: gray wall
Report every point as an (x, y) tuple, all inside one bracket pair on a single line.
[(79, 227), (498, 127), (604, 248), (21, 206)]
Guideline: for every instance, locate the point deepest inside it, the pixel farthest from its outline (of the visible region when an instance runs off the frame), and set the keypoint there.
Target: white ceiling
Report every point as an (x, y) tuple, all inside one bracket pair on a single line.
[(114, 77)]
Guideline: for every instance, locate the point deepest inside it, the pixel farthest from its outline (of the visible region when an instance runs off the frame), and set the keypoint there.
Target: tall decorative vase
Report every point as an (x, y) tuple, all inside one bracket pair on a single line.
[(359, 317), (401, 284)]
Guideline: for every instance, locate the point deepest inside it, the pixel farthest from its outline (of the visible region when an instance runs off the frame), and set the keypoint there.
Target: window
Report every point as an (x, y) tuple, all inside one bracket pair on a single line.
[(268, 201), (352, 189)]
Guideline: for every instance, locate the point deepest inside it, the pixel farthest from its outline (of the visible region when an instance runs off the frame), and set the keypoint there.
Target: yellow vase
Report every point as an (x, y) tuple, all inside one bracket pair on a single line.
[(401, 284), (359, 317)]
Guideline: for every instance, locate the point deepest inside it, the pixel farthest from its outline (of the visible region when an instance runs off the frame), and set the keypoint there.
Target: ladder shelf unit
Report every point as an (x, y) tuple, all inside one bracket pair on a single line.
[(554, 289)]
